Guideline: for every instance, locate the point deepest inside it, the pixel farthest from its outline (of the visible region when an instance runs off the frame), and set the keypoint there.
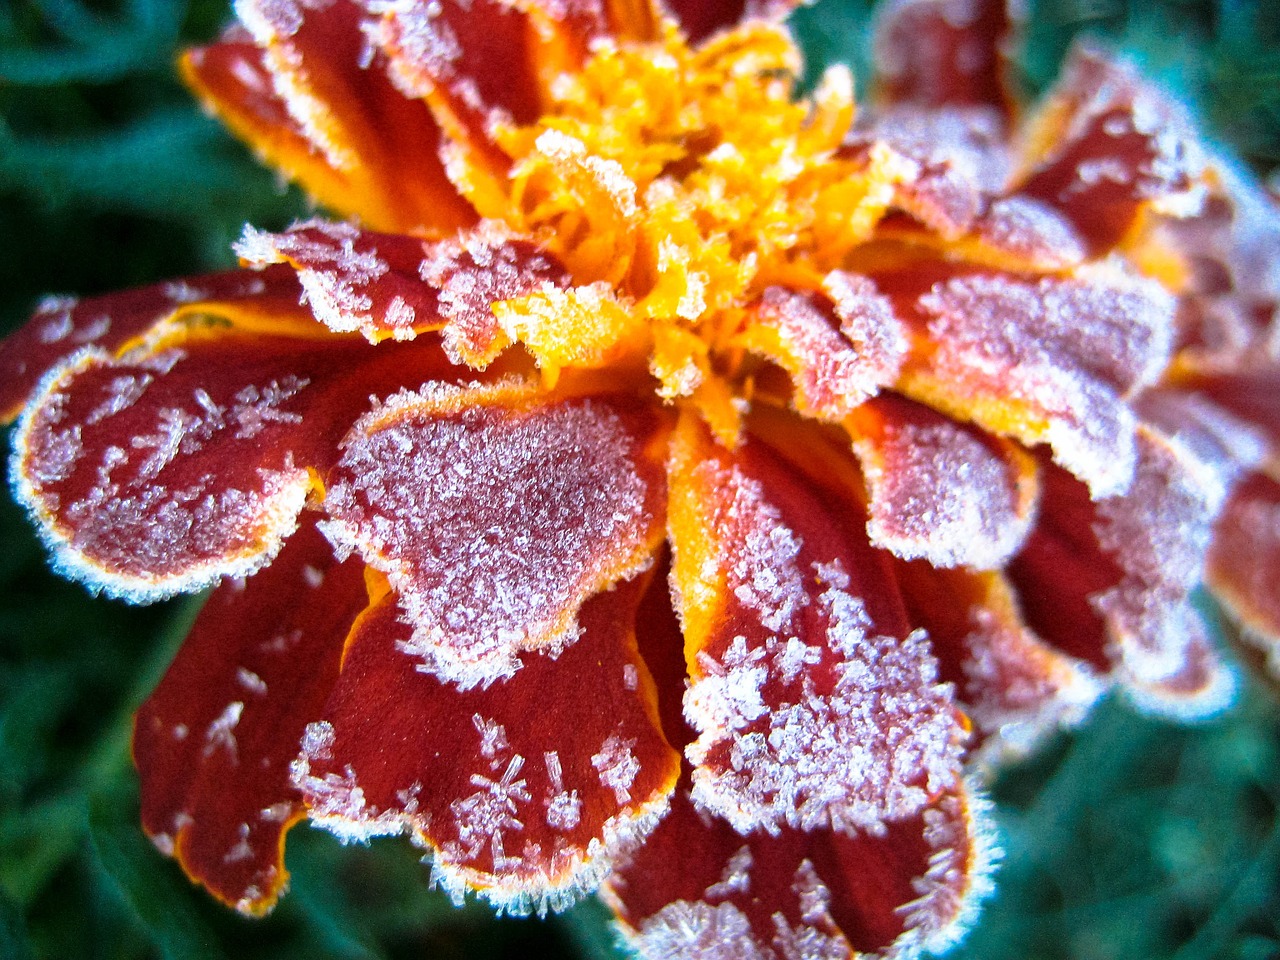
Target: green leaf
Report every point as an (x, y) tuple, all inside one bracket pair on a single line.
[(160, 898)]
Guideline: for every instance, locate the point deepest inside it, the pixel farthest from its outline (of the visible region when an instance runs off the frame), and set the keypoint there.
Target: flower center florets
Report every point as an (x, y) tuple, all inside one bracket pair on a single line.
[(677, 186)]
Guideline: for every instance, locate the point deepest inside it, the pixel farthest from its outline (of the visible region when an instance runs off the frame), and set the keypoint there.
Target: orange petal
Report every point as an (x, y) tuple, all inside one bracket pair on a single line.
[(352, 139), (214, 741), (1107, 145), (390, 285), (943, 53), (1014, 687), (815, 705), (496, 512), (699, 889), (1109, 581), (839, 350), (1042, 361), (1244, 562), (940, 490), (525, 791), (62, 326), (162, 471)]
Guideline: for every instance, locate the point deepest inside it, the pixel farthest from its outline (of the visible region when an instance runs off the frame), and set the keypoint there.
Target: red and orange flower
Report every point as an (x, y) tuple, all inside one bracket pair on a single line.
[(659, 481)]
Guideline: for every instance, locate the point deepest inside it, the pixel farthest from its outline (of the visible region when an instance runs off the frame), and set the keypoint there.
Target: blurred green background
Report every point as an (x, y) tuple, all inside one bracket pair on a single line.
[(1129, 839)]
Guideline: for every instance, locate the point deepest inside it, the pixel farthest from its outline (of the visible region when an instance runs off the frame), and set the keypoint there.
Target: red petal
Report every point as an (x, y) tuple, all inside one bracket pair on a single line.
[(496, 513), (1014, 687), (525, 791), (161, 472), (940, 490), (63, 325), (701, 18), (1112, 145), (1244, 562), (943, 53), (839, 351), (963, 161), (1046, 361), (358, 125), (386, 285), (815, 705), (1108, 581), (214, 741), (698, 889), (1250, 393)]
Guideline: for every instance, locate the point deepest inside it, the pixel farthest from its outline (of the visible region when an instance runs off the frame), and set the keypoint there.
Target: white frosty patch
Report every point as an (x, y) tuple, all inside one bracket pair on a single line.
[(698, 931), (128, 532), (489, 525), (1071, 348), (868, 743), (944, 496)]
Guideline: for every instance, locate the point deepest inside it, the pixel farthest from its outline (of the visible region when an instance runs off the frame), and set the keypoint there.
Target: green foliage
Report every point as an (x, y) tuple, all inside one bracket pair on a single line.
[(1129, 839)]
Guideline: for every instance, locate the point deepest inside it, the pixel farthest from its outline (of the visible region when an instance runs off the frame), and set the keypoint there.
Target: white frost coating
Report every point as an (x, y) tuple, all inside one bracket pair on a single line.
[(966, 851), (943, 496), (273, 24), (1018, 692), (335, 801), (1159, 534), (481, 818), (564, 807), (1029, 228), (493, 739), (159, 523), (221, 733), (868, 322), (736, 877), (1074, 348), (698, 931), (490, 525), (617, 766), (251, 681), (571, 158), (868, 746), (337, 290), (833, 375), (810, 940), (472, 272)]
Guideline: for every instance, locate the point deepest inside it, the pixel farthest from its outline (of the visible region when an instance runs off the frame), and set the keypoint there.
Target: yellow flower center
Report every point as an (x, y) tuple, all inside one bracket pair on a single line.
[(677, 185)]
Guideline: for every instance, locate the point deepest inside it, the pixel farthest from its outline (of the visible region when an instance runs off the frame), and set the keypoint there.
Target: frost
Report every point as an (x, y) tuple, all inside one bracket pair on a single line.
[(336, 276), (939, 493), (617, 766), (736, 877), (274, 24), (807, 941), (1029, 228), (471, 273), (493, 739), (564, 807), (481, 818), (698, 931), (221, 732), (833, 374), (1069, 348), (489, 524), (251, 681), (849, 736), (964, 853)]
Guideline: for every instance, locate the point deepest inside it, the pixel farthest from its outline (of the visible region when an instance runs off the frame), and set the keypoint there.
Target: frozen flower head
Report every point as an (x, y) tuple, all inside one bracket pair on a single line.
[(659, 481)]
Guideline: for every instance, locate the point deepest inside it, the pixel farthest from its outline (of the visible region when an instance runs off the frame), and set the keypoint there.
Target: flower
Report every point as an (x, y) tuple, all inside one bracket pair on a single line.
[(662, 482)]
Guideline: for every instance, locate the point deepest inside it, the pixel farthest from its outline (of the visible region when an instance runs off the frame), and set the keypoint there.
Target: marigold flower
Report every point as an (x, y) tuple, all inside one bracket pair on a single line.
[(661, 481)]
